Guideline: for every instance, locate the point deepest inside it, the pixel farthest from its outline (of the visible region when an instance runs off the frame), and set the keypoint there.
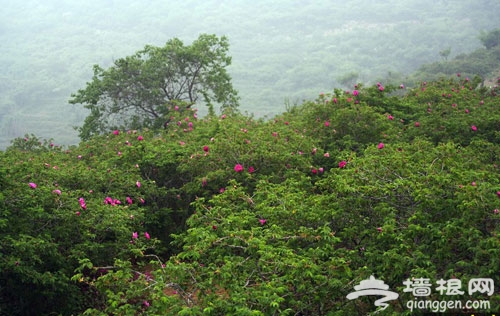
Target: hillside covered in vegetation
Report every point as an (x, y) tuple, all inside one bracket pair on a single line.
[(232, 215)]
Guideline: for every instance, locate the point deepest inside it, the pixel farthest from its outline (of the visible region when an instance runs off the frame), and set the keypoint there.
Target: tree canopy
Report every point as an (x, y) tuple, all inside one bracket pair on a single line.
[(490, 39), (141, 90)]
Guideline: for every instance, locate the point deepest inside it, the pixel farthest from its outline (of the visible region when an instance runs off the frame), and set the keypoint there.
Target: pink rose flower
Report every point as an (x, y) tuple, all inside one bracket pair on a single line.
[(238, 168)]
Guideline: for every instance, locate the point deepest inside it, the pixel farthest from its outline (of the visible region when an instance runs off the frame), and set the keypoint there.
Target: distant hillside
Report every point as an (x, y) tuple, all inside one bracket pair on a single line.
[(483, 62), (284, 50)]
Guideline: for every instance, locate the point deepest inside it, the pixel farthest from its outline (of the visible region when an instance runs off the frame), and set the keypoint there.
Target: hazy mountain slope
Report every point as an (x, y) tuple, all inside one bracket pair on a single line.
[(287, 49)]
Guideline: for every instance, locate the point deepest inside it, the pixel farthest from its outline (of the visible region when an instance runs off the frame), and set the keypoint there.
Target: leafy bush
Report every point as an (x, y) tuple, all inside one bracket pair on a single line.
[(235, 215)]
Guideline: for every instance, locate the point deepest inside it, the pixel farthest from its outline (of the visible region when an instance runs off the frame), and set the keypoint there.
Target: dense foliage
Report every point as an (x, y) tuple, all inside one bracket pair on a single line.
[(232, 215)]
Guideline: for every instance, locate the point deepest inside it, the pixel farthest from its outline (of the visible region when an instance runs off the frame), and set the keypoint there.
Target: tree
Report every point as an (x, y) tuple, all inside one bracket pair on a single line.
[(490, 39), (445, 53), (140, 90), (348, 79)]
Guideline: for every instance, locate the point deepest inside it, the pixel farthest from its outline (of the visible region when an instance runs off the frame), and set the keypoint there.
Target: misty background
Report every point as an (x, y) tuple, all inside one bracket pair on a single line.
[(284, 51)]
